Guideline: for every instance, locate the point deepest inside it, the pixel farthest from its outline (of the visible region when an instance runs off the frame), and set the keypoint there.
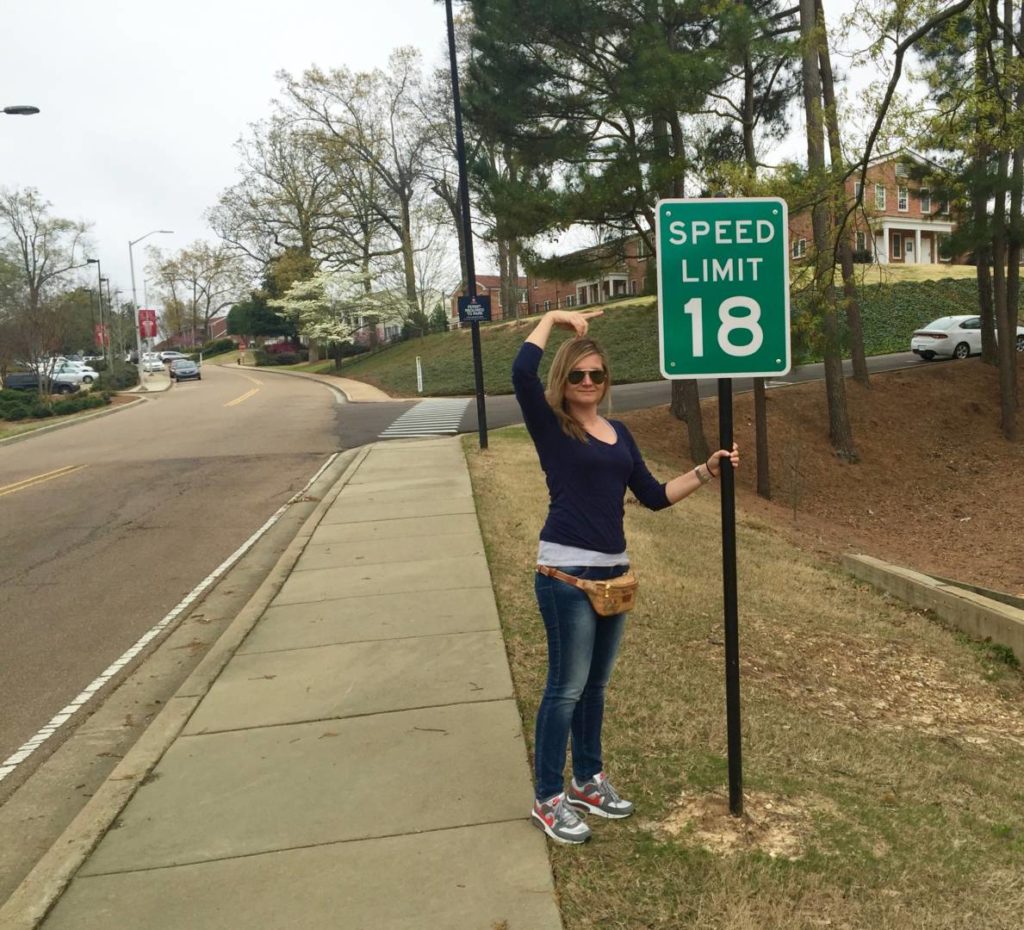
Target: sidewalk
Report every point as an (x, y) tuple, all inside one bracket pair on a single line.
[(359, 761)]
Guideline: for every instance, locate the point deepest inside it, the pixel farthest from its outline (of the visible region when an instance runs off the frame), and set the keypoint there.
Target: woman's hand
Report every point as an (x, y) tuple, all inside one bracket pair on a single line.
[(714, 464), (576, 320)]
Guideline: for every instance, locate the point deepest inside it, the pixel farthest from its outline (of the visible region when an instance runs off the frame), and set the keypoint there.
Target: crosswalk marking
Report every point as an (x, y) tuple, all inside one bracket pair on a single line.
[(437, 416)]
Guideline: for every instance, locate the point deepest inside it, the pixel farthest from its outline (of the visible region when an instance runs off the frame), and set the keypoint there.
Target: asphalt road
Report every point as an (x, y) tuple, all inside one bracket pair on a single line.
[(129, 513), (503, 410)]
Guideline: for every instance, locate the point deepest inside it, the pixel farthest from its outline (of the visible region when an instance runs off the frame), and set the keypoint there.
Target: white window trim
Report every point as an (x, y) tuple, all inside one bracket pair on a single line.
[(858, 190), (861, 241), (799, 248), (897, 245), (879, 201), (903, 199), (925, 196)]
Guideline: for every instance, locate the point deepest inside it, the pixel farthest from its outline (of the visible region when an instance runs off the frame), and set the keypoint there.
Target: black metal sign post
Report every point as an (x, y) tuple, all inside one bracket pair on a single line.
[(731, 602), (723, 305), (467, 230)]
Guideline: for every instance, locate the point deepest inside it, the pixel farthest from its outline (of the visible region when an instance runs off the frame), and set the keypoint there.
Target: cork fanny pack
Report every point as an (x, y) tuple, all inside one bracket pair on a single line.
[(611, 597)]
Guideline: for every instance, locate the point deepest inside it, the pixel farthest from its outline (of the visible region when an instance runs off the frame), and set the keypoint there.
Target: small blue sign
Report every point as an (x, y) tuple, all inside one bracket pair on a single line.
[(475, 309)]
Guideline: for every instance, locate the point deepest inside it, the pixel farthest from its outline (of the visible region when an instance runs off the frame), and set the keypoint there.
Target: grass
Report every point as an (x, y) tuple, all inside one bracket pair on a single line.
[(882, 763)]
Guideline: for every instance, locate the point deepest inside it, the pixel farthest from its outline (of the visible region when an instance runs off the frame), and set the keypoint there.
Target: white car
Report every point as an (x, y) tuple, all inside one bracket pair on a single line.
[(76, 368), (67, 372), (953, 337), (152, 363), (171, 356)]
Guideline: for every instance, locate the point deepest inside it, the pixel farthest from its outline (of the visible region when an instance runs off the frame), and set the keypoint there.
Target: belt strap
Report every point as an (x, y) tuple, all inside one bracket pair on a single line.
[(561, 576)]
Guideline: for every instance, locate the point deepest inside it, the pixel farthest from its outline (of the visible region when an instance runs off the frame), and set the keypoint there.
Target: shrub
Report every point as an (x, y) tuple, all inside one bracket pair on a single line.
[(281, 358), (862, 256), (218, 347), (80, 402), (119, 378)]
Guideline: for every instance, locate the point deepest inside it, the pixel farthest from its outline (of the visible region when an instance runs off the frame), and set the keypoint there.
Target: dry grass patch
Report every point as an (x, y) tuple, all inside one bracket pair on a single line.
[(882, 761)]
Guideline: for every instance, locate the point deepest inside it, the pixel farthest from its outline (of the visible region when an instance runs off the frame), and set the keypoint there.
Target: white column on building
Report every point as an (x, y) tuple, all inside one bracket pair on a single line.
[(917, 246), (883, 252)]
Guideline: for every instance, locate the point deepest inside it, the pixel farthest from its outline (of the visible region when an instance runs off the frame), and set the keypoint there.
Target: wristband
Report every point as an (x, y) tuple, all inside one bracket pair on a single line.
[(703, 476)]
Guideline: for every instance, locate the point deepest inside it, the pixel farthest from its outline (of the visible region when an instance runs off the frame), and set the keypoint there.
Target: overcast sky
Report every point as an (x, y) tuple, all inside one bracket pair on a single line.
[(141, 102)]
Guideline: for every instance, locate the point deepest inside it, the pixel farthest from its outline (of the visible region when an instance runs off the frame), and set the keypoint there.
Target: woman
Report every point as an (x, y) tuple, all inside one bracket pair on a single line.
[(589, 462)]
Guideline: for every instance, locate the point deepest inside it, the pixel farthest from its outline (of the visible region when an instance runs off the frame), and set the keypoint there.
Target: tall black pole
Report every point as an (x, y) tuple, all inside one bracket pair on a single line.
[(732, 636), (467, 228)]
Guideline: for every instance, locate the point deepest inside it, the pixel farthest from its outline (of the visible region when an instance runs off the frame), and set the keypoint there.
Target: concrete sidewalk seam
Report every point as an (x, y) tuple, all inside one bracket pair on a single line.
[(305, 721), (286, 849), (43, 886), (379, 639)]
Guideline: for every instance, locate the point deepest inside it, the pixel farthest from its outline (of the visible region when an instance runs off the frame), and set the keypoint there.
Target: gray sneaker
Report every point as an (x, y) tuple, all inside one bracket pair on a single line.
[(559, 821), (598, 796)]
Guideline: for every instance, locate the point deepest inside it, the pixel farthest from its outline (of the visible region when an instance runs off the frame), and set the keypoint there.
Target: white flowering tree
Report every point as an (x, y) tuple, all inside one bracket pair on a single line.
[(331, 308)]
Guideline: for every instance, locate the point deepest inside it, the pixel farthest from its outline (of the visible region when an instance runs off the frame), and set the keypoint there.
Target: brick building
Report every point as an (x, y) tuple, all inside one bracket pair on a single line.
[(618, 270), (900, 222)]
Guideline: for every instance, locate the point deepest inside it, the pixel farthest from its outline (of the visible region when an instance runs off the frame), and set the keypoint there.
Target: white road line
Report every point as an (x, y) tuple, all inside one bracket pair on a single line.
[(437, 416), (58, 720)]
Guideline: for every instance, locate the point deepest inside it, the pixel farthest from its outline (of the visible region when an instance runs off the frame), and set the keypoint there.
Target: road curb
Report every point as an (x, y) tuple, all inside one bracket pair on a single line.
[(975, 614), (39, 891), (53, 427), (320, 379)]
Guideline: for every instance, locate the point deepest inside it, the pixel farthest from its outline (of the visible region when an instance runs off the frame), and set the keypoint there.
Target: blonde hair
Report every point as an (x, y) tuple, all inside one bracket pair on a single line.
[(566, 358)]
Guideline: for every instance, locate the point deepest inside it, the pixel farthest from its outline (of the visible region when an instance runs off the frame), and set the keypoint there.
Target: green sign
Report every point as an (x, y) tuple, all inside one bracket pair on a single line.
[(723, 287)]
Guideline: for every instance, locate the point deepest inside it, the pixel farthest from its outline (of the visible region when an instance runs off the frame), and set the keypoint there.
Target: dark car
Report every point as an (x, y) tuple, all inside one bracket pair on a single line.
[(29, 381), (184, 369)]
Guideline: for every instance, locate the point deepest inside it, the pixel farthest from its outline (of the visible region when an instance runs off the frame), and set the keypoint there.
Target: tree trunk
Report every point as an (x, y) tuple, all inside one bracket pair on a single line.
[(685, 395), (980, 194), (1006, 276), (764, 484), (763, 470), (503, 288), (823, 302), (408, 257), (513, 275), (685, 406), (843, 247)]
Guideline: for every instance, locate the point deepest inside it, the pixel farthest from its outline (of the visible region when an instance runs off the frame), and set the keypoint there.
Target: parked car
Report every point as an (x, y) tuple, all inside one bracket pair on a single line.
[(88, 375), (170, 356), (184, 369), (953, 337), (152, 363), (29, 381)]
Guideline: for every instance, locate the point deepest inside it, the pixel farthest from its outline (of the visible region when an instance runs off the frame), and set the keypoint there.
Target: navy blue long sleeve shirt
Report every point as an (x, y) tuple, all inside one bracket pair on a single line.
[(587, 481)]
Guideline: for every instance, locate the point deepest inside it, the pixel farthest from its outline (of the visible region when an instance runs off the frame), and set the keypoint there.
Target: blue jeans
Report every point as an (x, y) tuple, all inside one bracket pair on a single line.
[(581, 654)]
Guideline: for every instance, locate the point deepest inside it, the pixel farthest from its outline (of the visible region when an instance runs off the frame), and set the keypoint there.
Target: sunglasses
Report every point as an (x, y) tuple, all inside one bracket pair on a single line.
[(597, 375)]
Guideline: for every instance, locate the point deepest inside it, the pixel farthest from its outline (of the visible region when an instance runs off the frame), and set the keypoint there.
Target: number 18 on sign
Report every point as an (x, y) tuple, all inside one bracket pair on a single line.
[(723, 288)]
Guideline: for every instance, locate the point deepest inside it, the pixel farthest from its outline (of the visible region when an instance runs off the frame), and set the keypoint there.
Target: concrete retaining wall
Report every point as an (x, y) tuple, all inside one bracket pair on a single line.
[(978, 616)]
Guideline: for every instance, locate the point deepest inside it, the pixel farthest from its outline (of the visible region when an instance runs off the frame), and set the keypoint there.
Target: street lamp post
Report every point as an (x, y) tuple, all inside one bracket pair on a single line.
[(135, 298), (467, 227), (99, 289)]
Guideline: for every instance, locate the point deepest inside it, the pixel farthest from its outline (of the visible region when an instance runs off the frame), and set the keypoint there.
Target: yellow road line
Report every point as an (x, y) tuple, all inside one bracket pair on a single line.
[(245, 396), (38, 479)]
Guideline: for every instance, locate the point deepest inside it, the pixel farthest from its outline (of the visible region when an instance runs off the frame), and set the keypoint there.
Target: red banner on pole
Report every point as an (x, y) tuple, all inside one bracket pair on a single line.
[(147, 324), (101, 336)]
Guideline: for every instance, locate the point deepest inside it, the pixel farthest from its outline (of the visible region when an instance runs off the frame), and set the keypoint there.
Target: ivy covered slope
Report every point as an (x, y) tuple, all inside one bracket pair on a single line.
[(629, 330)]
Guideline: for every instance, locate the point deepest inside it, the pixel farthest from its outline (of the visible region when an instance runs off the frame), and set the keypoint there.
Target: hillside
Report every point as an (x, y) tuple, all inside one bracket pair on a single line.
[(937, 488), (891, 311)]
